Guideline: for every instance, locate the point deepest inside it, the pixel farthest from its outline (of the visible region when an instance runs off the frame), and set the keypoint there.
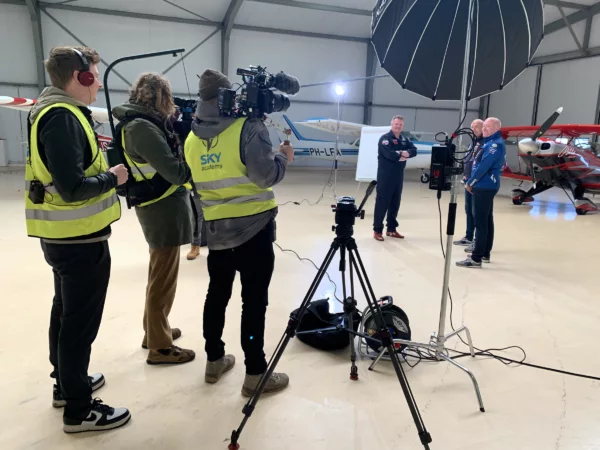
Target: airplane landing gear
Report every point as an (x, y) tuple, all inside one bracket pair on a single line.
[(584, 205), (424, 177), (519, 197)]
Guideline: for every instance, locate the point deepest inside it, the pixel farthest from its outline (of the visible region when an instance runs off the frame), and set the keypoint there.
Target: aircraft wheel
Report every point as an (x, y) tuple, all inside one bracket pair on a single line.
[(518, 201), (581, 212), (424, 178)]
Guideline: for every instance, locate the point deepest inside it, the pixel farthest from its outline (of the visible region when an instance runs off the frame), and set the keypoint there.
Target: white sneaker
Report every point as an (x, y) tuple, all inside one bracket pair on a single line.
[(100, 417)]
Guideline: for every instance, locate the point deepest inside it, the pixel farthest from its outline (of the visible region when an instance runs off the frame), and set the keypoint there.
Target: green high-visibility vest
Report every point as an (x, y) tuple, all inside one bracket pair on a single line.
[(221, 178)]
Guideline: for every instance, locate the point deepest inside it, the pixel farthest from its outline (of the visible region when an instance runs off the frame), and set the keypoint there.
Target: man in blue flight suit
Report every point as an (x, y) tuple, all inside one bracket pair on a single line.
[(393, 152), (484, 185)]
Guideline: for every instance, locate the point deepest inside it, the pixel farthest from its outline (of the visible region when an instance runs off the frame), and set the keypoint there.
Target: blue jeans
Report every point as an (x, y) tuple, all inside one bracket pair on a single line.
[(469, 210)]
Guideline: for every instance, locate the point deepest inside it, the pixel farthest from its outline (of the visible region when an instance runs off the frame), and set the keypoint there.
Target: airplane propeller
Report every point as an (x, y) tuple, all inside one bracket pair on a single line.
[(531, 146)]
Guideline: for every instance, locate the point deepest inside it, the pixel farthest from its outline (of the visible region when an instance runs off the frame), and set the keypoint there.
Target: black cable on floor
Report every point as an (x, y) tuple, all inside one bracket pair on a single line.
[(316, 267), (488, 352)]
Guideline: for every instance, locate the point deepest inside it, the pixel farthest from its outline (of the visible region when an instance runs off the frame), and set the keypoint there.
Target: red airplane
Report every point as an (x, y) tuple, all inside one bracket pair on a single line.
[(555, 156)]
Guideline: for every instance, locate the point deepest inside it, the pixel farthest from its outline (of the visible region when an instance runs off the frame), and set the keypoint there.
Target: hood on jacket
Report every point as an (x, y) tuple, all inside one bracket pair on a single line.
[(209, 123), (50, 96), (129, 109)]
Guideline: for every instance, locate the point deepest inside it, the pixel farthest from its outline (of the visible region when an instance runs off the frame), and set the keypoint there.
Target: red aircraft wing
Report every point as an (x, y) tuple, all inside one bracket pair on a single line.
[(554, 131)]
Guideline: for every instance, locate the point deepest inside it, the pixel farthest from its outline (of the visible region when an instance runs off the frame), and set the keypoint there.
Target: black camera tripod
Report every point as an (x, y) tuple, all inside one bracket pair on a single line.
[(345, 216)]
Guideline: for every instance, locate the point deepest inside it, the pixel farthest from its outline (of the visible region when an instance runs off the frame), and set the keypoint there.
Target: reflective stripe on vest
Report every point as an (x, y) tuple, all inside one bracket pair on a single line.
[(56, 218), (144, 171), (221, 178)]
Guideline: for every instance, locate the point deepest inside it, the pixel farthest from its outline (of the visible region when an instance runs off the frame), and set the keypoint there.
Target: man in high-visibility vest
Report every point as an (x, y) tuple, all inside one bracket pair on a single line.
[(233, 169), (70, 204)]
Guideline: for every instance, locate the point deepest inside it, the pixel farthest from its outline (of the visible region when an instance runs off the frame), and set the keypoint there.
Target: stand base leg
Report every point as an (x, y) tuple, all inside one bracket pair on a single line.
[(475, 384), (374, 363)]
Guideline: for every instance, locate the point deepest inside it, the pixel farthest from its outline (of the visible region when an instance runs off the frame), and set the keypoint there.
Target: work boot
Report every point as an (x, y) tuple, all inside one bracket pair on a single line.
[(172, 355), (378, 236), (96, 382), (394, 234), (175, 332), (276, 383), (215, 369), (194, 252)]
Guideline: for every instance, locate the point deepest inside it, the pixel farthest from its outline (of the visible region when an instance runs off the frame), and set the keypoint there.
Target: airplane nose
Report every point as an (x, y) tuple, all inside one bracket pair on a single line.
[(528, 145)]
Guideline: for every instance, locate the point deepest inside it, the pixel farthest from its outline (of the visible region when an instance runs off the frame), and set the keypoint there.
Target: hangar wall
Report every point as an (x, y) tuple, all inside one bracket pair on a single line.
[(311, 59), (573, 84)]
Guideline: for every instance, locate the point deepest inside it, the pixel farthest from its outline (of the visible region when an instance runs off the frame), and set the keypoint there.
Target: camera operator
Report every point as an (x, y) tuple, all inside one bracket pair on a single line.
[(153, 152), (70, 205), (393, 152), (234, 169)]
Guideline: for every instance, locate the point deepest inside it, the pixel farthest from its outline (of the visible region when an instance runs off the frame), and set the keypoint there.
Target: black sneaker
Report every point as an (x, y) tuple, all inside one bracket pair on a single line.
[(99, 418), (96, 381)]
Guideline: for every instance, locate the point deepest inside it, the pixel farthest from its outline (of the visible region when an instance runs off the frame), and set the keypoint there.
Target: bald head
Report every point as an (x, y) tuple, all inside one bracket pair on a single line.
[(491, 126), (477, 127)]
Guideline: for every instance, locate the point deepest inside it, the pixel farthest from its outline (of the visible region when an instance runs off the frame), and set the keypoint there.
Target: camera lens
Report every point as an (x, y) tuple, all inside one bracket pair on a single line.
[(281, 102)]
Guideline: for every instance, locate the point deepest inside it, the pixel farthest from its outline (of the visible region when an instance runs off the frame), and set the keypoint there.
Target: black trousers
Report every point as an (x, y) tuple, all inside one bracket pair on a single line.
[(469, 210), (81, 274), (483, 202), (254, 260), (389, 194)]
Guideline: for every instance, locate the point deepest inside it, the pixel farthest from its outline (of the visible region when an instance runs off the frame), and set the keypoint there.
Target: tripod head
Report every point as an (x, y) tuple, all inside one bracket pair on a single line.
[(346, 213)]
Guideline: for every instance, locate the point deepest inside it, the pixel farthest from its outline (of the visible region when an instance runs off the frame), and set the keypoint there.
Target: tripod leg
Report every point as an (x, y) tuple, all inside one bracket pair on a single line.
[(475, 384), (374, 363), (375, 309), (288, 334)]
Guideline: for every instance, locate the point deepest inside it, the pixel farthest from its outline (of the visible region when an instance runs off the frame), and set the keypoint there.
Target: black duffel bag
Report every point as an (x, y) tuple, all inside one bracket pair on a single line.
[(317, 316)]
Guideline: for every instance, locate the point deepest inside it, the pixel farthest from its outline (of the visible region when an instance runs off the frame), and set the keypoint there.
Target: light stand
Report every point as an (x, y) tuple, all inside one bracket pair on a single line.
[(345, 216), (438, 340), (339, 94)]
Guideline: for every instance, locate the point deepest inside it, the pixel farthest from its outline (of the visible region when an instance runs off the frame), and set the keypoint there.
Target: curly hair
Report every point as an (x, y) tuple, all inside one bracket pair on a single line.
[(153, 91)]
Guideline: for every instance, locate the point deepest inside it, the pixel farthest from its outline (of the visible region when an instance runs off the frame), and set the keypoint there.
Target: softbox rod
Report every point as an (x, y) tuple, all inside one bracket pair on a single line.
[(441, 337), (129, 58)]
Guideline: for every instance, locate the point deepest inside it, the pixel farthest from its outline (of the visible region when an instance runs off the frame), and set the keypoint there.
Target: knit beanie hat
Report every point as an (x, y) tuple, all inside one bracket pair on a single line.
[(210, 82)]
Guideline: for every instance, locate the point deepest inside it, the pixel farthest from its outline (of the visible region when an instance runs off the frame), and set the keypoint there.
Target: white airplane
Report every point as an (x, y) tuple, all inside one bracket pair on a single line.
[(348, 153)]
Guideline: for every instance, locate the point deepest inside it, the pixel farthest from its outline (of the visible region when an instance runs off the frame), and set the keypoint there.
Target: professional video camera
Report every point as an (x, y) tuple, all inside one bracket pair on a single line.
[(257, 97), (183, 125)]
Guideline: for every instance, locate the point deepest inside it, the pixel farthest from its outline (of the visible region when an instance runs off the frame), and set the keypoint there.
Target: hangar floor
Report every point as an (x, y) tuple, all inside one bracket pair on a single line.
[(539, 292)]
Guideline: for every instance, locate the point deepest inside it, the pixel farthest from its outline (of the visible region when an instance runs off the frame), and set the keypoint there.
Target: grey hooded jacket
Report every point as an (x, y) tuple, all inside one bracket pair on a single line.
[(265, 169)]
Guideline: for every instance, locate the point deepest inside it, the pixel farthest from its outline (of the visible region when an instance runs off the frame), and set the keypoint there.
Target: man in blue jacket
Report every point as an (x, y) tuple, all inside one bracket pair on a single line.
[(484, 185)]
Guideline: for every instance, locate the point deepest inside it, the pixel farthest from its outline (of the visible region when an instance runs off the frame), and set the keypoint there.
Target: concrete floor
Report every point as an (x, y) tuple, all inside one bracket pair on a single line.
[(539, 292)]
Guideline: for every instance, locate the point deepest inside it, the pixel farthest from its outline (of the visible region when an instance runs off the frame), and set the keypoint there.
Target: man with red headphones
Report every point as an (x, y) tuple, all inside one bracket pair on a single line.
[(70, 204)]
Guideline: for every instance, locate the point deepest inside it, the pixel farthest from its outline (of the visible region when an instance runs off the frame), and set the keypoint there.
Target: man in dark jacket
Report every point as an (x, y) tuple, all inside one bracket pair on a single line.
[(72, 214), (484, 184), (154, 154), (394, 150), (234, 169), (469, 237)]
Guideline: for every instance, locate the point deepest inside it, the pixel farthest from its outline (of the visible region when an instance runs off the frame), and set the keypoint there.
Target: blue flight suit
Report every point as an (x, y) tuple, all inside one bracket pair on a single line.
[(390, 178), (485, 181)]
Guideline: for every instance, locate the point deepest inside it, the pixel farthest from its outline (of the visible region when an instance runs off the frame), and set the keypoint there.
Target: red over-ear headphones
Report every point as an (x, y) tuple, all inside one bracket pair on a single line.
[(85, 77)]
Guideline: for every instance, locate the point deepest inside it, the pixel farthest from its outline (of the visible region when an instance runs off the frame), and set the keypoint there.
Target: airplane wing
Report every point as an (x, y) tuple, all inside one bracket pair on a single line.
[(554, 131), (100, 115), (330, 125)]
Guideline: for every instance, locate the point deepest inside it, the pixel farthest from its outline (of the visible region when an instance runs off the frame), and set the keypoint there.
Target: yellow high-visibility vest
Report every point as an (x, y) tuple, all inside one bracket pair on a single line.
[(55, 218), (221, 178), (144, 171)]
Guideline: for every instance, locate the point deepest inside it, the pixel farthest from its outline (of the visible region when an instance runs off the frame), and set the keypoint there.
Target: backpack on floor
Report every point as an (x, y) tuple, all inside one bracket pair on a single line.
[(317, 316)]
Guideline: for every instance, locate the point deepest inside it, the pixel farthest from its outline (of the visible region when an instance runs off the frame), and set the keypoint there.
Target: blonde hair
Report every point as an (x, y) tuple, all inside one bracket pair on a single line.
[(153, 91), (63, 61)]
